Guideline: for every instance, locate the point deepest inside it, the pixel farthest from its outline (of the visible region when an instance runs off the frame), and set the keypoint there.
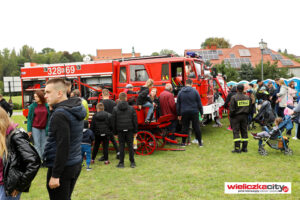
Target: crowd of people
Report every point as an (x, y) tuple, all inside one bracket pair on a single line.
[(272, 105), (62, 135)]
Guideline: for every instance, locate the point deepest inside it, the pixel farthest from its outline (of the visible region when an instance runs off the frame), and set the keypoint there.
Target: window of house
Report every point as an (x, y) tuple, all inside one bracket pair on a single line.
[(138, 73), (123, 75), (165, 72)]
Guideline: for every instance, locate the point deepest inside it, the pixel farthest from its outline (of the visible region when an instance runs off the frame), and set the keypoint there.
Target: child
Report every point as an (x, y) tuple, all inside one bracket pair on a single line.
[(101, 126), (87, 140), (265, 134)]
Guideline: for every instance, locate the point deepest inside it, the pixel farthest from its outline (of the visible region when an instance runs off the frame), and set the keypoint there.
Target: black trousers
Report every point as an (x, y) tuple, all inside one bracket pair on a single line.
[(112, 139), (239, 126), (67, 182), (126, 137), (105, 142), (186, 118)]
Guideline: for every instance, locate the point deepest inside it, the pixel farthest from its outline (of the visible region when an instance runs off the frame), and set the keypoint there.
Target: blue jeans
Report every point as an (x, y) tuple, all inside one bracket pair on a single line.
[(4, 197), (86, 149), (150, 111), (39, 139)]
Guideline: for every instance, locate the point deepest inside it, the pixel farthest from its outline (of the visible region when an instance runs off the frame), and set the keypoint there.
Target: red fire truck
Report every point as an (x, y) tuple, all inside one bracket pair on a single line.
[(116, 74)]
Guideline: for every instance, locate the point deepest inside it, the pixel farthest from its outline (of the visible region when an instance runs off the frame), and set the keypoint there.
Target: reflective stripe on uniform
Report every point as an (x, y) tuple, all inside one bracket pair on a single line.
[(244, 139), (237, 139)]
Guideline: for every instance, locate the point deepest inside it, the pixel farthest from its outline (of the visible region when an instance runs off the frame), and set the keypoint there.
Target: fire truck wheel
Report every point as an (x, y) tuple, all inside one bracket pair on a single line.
[(146, 143)]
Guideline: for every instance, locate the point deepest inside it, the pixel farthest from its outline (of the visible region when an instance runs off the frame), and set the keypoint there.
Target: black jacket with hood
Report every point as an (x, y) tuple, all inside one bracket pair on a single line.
[(101, 124), (124, 118), (228, 98), (22, 163), (63, 146), (188, 101)]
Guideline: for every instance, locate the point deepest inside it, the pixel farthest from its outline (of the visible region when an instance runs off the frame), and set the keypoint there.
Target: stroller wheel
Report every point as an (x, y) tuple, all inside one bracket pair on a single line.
[(288, 152)]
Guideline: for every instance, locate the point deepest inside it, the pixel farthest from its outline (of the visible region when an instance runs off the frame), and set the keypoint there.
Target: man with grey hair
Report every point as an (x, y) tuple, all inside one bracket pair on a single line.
[(168, 106)]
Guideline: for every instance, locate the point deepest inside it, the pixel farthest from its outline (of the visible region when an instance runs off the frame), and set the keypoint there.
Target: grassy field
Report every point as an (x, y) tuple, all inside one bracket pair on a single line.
[(197, 173)]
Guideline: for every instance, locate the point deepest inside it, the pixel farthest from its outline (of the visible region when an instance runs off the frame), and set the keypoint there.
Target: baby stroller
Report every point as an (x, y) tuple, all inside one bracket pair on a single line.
[(265, 115), (276, 140)]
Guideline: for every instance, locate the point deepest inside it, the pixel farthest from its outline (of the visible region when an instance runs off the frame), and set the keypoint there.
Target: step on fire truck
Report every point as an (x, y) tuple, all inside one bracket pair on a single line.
[(92, 76)]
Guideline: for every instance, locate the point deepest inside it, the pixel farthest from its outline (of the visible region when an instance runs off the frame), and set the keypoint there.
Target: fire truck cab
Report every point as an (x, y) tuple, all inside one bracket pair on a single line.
[(90, 77)]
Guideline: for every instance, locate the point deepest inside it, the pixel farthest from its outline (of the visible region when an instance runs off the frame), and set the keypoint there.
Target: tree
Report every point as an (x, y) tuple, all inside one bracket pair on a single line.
[(155, 54), (279, 51), (228, 71), (271, 71), (27, 52), (165, 52), (47, 50), (77, 57), (285, 51), (246, 72), (219, 42)]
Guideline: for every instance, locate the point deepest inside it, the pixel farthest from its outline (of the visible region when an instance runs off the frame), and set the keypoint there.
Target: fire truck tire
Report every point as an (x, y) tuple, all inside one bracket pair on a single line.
[(146, 143)]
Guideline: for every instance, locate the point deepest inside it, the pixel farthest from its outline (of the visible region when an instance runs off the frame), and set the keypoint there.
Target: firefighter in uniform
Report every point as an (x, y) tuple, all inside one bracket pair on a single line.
[(239, 110)]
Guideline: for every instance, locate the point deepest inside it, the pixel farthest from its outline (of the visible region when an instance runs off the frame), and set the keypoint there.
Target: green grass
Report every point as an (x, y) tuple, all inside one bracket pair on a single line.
[(197, 173), (15, 99)]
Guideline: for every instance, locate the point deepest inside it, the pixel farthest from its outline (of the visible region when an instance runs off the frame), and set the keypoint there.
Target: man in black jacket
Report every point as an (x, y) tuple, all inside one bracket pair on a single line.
[(102, 128), (62, 153), (108, 107), (188, 108), (124, 122)]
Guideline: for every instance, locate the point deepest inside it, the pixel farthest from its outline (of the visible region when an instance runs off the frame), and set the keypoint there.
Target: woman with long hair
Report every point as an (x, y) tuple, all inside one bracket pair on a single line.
[(282, 98), (19, 161), (144, 99), (37, 121)]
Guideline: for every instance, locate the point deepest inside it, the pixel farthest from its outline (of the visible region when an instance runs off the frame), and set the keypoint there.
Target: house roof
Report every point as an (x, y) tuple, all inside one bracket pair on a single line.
[(241, 54)]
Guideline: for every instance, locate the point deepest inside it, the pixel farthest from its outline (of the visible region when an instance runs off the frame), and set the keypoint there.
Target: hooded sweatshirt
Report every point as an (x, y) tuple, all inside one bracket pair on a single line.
[(63, 146), (188, 101), (124, 118)]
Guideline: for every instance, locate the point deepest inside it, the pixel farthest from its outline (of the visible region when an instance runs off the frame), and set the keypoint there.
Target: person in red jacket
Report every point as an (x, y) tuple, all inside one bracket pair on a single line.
[(168, 106)]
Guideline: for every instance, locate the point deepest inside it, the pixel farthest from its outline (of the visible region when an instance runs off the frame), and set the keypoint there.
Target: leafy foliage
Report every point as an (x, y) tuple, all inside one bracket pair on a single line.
[(271, 71), (229, 72), (219, 42), (246, 72), (167, 52), (10, 61)]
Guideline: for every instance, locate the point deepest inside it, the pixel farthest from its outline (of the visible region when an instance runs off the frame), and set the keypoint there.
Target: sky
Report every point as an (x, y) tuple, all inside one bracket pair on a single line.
[(149, 26)]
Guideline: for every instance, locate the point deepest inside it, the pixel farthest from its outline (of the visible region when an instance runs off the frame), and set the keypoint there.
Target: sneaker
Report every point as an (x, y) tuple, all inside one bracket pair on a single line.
[(101, 159), (295, 138), (183, 145), (244, 150), (120, 165), (215, 125), (88, 169), (229, 128), (133, 165), (201, 144), (106, 162), (195, 141), (92, 161), (189, 144), (118, 156)]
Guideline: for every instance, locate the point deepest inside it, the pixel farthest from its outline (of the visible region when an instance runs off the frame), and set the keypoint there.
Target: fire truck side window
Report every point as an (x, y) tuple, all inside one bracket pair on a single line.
[(190, 70), (138, 73), (123, 75), (165, 72)]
